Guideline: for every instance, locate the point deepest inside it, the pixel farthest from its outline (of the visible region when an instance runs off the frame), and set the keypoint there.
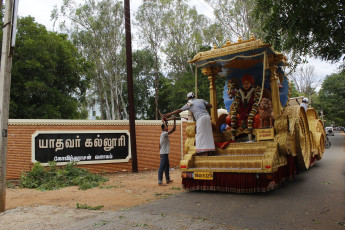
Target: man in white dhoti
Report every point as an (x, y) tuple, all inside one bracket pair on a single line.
[(204, 135)]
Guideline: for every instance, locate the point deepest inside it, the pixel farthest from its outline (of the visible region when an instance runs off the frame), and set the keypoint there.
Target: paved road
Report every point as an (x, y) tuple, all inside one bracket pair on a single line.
[(314, 199)]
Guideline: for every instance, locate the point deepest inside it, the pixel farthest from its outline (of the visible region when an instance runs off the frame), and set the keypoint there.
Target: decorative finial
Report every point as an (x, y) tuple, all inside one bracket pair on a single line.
[(215, 46), (240, 39), (228, 43), (252, 37)]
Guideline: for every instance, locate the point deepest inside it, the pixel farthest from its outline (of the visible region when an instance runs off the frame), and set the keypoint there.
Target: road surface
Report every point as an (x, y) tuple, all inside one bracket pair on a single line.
[(314, 199)]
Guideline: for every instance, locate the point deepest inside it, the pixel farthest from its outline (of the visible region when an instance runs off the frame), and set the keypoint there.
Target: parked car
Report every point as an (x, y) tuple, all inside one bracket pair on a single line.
[(329, 131)]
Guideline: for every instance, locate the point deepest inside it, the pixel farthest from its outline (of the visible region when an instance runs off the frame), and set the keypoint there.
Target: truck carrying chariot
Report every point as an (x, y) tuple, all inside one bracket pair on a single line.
[(261, 139)]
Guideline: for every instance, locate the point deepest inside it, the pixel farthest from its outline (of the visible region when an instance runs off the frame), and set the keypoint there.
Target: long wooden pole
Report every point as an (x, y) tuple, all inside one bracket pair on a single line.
[(130, 86), (5, 85)]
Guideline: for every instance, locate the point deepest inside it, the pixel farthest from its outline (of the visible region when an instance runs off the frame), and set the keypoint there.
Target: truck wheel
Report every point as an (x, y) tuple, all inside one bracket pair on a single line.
[(302, 138)]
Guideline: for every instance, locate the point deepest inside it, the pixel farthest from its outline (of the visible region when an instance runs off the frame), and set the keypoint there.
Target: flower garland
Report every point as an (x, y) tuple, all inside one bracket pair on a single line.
[(240, 97), (246, 98)]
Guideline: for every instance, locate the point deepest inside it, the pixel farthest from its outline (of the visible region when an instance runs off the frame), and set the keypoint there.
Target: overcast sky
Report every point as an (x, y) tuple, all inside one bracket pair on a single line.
[(41, 10)]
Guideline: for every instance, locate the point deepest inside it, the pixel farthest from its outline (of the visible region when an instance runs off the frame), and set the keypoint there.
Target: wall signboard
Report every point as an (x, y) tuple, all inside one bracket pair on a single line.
[(82, 147)]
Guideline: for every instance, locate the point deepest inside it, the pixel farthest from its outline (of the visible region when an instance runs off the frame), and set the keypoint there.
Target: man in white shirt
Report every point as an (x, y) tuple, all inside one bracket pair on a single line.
[(164, 150)]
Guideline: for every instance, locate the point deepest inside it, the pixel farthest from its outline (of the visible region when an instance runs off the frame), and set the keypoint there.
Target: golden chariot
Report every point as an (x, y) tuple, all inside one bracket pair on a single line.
[(268, 156)]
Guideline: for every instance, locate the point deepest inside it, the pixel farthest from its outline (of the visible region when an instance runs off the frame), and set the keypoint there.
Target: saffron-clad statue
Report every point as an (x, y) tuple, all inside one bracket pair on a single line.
[(245, 106)]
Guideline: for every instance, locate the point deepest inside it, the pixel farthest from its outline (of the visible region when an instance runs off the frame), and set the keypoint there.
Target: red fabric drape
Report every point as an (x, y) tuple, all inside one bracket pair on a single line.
[(243, 182)]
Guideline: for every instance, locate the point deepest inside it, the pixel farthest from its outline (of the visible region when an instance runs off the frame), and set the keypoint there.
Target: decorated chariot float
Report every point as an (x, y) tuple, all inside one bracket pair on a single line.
[(262, 138)]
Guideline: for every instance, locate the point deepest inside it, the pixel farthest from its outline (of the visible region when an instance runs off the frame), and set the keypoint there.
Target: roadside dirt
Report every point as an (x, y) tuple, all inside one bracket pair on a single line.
[(25, 207)]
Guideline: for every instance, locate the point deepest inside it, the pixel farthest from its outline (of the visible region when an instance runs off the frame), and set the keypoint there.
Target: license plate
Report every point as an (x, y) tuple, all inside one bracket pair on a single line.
[(203, 175)]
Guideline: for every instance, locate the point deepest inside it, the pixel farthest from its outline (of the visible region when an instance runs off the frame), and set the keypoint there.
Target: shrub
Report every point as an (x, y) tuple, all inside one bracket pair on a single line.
[(53, 177)]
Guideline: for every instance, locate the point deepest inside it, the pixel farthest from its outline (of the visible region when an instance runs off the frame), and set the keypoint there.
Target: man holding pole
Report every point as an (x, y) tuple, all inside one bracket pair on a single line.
[(204, 134)]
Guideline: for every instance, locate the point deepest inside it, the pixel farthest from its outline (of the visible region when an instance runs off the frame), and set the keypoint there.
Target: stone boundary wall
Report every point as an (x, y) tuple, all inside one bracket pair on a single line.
[(147, 139)]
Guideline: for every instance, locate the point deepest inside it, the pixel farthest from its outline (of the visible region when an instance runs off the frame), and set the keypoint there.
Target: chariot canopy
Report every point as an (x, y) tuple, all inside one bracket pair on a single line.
[(253, 57), (240, 55)]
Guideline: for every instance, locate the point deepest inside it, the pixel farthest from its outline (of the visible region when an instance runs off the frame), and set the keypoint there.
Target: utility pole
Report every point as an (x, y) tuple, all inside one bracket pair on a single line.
[(9, 32), (130, 86)]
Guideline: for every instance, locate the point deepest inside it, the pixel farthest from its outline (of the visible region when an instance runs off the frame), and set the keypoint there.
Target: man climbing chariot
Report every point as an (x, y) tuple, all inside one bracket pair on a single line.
[(204, 136)]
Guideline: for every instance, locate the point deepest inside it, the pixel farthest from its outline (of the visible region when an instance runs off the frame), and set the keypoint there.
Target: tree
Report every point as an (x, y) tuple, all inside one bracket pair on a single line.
[(48, 75), (183, 32), (332, 98), (166, 100), (97, 29), (149, 23), (293, 90), (305, 80), (173, 31), (144, 75), (309, 27), (234, 18)]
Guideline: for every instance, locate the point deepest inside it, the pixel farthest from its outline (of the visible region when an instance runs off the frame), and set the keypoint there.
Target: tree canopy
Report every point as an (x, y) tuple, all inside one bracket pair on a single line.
[(172, 31), (48, 75), (309, 27), (143, 81), (97, 29), (332, 99), (234, 18)]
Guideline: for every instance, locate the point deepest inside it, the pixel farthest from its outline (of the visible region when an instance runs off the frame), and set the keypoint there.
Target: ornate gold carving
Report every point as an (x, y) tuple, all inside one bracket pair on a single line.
[(228, 43), (320, 145), (292, 133), (211, 70), (240, 39), (281, 124), (317, 133), (239, 157), (190, 132), (275, 91), (280, 77), (283, 136), (232, 48), (293, 114), (285, 143), (263, 134), (302, 139)]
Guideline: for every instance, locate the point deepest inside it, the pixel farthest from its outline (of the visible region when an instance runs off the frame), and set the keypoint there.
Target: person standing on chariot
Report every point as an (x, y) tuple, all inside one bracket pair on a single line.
[(304, 104), (245, 106), (204, 136)]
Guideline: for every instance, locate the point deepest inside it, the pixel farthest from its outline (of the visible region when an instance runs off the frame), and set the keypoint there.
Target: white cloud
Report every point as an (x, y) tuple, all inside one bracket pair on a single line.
[(39, 9), (324, 68)]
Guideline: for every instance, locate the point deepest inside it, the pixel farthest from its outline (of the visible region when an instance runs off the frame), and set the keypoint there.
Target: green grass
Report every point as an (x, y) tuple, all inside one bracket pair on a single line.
[(162, 195), (101, 223), (53, 177), (88, 207), (9, 184)]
